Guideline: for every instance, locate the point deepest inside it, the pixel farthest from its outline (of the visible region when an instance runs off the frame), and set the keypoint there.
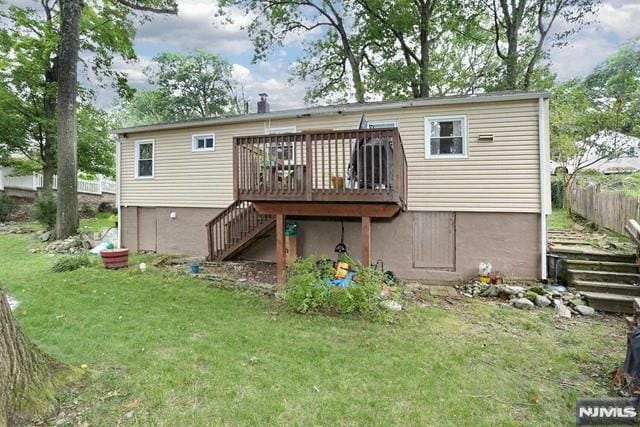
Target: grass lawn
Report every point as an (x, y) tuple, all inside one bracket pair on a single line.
[(177, 352), (101, 221), (560, 220)]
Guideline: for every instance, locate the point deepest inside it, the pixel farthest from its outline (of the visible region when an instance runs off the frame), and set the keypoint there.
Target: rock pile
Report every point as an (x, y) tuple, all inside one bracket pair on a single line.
[(70, 245), (565, 304), (12, 228)]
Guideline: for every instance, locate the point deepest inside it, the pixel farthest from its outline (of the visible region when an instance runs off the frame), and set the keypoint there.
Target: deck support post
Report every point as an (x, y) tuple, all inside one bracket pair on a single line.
[(280, 251), (366, 241)]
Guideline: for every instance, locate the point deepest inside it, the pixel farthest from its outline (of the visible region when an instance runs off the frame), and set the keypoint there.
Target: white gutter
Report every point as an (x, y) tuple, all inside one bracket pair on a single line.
[(119, 245), (337, 109), (543, 135)]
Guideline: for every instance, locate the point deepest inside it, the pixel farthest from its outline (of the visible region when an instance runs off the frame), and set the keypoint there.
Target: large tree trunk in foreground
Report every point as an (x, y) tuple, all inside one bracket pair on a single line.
[(67, 216), (27, 375)]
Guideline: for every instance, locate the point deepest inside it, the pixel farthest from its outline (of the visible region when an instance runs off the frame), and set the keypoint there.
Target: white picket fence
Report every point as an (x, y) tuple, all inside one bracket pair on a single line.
[(34, 182)]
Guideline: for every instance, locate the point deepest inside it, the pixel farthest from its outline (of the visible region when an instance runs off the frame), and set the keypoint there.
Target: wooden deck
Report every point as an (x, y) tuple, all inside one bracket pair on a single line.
[(353, 166)]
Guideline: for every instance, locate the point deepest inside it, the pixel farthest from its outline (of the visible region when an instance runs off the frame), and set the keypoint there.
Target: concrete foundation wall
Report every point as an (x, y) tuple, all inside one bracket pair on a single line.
[(153, 229), (509, 241)]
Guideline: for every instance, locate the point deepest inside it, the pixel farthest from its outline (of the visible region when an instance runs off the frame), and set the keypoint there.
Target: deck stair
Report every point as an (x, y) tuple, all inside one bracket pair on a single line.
[(235, 228), (607, 279)]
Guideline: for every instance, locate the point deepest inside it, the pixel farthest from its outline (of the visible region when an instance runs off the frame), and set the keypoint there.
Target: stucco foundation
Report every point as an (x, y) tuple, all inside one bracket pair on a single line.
[(509, 241), (153, 229)]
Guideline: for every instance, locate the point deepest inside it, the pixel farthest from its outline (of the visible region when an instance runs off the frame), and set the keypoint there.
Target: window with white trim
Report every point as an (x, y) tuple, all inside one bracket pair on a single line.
[(445, 137), (145, 156), (382, 124), (282, 150), (205, 142)]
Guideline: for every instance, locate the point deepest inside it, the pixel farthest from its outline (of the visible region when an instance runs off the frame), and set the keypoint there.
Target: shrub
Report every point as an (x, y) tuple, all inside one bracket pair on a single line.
[(107, 207), (87, 210), (557, 194), (308, 290), (7, 206), (71, 262), (44, 210)]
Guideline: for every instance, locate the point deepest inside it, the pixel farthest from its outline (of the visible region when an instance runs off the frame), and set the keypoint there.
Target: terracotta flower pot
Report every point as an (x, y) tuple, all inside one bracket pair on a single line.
[(115, 258)]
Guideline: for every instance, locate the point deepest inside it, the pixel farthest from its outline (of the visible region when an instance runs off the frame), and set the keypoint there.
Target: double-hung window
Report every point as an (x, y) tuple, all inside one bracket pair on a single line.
[(445, 137), (145, 158), (206, 142)]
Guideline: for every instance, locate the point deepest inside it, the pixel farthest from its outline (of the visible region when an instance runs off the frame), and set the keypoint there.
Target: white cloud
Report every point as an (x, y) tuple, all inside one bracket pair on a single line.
[(195, 27), (282, 94), (616, 22)]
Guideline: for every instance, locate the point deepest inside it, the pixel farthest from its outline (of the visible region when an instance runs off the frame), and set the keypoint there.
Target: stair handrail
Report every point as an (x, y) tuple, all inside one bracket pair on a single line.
[(249, 218)]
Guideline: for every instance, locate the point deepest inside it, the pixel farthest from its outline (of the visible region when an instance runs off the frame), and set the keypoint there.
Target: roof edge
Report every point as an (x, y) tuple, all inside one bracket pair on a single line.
[(337, 109)]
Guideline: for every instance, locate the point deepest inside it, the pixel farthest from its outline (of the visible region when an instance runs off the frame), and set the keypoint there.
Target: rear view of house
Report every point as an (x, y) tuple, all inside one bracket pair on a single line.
[(431, 187)]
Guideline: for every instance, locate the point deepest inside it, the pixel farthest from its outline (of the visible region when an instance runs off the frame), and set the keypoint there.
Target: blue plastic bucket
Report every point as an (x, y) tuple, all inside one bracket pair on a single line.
[(195, 268)]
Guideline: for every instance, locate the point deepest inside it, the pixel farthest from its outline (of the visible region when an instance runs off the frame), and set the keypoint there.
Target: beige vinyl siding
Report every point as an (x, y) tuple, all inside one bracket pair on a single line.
[(498, 176)]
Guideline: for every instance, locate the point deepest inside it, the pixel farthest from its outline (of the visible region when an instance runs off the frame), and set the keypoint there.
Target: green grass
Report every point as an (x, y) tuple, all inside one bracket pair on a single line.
[(178, 352), (101, 221), (560, 220)]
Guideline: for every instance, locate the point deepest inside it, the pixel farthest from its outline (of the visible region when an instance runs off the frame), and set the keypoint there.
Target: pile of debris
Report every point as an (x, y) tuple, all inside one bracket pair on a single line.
[(565, 304)]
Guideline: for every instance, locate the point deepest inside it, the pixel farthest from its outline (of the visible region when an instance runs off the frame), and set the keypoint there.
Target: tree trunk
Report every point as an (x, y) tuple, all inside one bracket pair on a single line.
[(568, 195), (357, 81), (67, 215), (511, 62), (50, 143), (27, 375), (425, 21)]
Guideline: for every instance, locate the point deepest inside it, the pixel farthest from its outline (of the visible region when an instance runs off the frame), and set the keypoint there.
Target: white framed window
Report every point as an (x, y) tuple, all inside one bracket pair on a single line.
[(382, 124), (203, 142), (445, 137), (282, 150), (145, 158)]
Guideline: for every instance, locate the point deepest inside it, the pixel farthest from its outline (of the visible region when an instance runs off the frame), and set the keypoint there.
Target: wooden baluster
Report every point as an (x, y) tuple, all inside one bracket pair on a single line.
[(308, 176), (316, 182), (380, 143), (344, 171), (323, 172), (235, 169)]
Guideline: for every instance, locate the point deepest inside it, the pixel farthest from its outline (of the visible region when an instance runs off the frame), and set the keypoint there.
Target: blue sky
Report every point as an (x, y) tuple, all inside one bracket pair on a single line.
[(195, 28)]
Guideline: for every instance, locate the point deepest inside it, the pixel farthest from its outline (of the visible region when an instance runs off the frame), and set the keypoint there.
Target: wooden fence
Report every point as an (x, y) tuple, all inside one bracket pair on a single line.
[(608, 209)]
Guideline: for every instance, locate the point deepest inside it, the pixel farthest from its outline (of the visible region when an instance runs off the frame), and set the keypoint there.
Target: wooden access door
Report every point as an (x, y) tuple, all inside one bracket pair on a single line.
[(434, 240), (147, 229)]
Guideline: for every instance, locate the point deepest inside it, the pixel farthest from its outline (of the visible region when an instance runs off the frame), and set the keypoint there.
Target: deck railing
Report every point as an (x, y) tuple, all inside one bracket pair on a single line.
[(363, 165), (232, 226)]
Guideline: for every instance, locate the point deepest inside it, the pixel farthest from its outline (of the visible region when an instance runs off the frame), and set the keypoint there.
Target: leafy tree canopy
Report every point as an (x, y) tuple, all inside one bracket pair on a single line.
[(187, 86)]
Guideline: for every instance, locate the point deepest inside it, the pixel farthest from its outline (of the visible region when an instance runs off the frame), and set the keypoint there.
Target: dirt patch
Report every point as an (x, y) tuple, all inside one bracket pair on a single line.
[(255, 276), (250, 271)]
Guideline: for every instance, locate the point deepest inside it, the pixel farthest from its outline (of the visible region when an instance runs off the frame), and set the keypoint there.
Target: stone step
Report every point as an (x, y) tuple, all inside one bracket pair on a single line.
[(590, 254), (568, 241), (601, 276), (609, 302), (620, 267), (607, 288)]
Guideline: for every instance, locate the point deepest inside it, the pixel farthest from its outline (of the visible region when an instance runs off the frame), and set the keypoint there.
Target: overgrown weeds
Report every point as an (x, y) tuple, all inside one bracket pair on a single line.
[(72, 262), (309, 290)]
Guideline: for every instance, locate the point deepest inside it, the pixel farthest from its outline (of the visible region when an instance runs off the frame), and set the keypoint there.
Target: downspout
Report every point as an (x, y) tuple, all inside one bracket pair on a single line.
[(119, 245), (543, 134)]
